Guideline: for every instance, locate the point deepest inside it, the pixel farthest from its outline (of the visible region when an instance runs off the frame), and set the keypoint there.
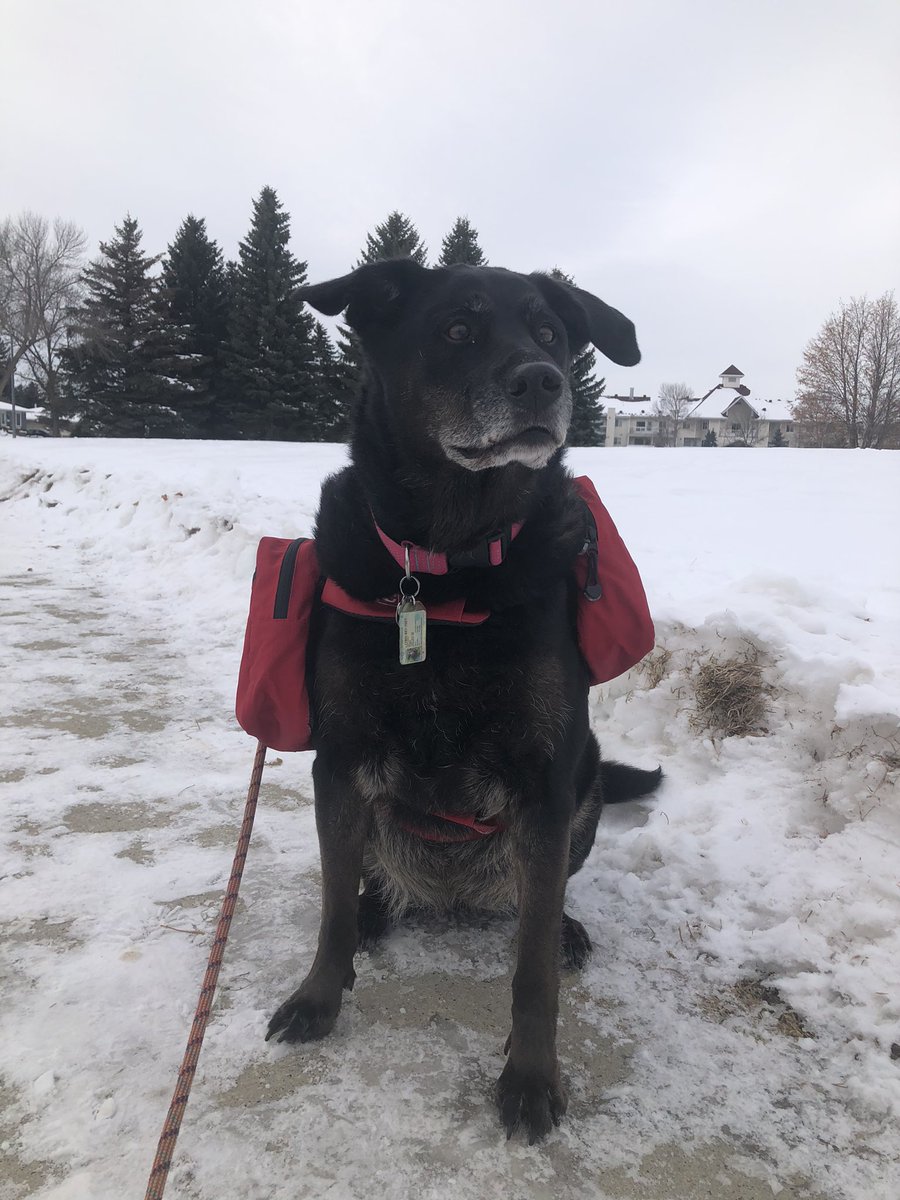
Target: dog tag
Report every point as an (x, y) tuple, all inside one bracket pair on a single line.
[(411, 619)]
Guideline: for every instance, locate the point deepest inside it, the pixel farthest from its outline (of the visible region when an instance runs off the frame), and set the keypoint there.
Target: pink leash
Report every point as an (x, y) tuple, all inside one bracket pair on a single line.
[(166, 1147)]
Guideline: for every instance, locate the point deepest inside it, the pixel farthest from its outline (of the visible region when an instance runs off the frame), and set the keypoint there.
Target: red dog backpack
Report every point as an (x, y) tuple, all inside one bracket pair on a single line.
[(272, 697), (615, 630)]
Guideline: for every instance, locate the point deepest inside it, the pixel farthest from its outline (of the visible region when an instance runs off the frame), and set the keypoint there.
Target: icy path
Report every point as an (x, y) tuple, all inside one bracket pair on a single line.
[(122, 782)]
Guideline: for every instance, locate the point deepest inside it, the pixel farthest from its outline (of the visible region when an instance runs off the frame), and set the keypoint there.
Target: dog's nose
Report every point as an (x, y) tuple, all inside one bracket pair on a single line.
[(538, 384)]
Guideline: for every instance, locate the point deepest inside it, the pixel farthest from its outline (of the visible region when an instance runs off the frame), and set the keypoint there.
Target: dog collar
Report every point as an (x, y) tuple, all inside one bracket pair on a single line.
[(489, 552)]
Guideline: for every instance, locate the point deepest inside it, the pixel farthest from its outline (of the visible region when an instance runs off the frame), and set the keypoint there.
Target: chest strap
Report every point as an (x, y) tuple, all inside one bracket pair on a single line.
[(474, 829), (451, 612)]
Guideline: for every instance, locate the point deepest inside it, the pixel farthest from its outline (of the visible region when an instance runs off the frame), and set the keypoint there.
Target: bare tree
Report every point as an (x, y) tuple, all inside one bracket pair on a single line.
[(674, 403), (819, 421), (40, 268), (44, 356), (851, 370)]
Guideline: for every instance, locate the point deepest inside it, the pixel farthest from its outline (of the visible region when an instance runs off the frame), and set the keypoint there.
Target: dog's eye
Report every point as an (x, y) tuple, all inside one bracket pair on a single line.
[(458, 331), (547, 334)]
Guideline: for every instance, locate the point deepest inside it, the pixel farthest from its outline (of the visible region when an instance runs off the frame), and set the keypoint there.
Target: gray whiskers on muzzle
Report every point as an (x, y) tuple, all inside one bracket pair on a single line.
[(495, 431)]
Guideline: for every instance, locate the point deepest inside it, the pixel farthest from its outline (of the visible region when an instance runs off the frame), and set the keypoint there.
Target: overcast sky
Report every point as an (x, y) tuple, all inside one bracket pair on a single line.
[(724, 173)]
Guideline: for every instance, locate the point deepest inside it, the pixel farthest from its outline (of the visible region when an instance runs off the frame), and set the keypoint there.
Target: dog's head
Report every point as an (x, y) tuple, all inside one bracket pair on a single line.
[(473, 362)]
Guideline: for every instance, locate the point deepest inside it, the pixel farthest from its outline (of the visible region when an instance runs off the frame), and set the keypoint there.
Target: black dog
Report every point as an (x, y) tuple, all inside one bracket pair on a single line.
[(458, 434)]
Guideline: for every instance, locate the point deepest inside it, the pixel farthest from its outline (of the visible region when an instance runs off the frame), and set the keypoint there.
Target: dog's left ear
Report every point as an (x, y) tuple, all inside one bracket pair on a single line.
[(372, 293), (588, 319)]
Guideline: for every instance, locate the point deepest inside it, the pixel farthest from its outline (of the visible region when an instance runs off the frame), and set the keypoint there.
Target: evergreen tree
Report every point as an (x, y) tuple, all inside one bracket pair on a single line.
[(231, 278), (586, 426), (709, 438), (777, 438), (28, 394), (270, 373), (334, 389), (116, 371), (461, 246), (350, 361), (397, 237), (194, 302)]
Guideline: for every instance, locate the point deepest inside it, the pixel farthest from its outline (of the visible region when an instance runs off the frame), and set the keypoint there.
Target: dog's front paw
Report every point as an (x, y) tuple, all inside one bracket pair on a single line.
[(304, 1017), (534, 1102), (575, 945)]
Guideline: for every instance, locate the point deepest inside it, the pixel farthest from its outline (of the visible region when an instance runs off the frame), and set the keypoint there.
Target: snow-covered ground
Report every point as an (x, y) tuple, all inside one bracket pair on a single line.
[(732, 1036)]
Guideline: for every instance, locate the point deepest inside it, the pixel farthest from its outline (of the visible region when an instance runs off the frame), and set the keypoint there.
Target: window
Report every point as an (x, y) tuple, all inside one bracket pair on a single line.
[(704, 424)]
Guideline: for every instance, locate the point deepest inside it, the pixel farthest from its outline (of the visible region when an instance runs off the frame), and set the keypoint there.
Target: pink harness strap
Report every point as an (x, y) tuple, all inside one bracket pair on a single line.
[(476, 829), (451, 612)]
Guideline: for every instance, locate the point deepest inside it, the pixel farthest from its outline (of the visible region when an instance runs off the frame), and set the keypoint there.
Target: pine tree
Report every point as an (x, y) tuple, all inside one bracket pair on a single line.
[(28, 394), (351, 363), (194, 302), (334, 389), (586, 426), (397, 237), (231, 278), (270, 375), (461, 246), (777, 438), (709, 438), (115, 371)]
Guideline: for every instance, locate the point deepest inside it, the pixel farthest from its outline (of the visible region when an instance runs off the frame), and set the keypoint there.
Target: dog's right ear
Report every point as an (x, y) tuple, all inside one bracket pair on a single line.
[(371, 294)]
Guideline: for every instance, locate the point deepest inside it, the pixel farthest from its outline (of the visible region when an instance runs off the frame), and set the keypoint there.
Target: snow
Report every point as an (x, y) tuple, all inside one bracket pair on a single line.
[(738, 1015)]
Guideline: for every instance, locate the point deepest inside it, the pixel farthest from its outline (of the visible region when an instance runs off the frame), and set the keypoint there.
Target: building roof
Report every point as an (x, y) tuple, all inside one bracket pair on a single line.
[(732, 370), (774, 410), (31, 414), (719, 403)]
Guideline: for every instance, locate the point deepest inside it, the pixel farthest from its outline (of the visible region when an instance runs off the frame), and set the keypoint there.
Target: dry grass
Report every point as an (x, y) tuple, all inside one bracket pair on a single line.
[(756, 999), (889, 757), (655, 667), (730, 695)]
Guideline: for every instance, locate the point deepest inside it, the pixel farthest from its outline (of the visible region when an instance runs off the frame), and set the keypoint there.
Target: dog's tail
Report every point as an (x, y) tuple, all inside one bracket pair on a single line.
[(621, 783)]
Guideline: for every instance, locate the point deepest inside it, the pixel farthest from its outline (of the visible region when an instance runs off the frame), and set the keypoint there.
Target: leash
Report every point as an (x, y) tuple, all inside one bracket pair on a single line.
[(166, 1146)]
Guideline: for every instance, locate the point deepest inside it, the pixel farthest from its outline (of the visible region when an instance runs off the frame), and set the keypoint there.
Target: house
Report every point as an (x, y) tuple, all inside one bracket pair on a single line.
[(624, 428), (633, 421), (738, 422), (628, 421), (29, 421), (6, 411)]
